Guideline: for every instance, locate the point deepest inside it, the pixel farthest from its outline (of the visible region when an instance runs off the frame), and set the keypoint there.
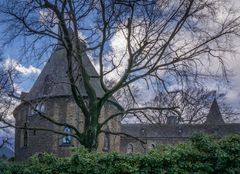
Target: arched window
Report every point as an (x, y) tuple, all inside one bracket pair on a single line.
[(67, 138), (129, 148), (24, 136), (152, 146), (106, 145), (37, 107), (43, 108)]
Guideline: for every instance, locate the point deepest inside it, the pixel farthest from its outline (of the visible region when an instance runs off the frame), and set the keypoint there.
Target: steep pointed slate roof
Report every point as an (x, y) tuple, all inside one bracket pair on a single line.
[(53, 80), (214, 116)]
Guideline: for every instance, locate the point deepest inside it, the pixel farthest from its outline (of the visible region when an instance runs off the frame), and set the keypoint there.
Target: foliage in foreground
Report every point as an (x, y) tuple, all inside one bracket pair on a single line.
[(202, 154)]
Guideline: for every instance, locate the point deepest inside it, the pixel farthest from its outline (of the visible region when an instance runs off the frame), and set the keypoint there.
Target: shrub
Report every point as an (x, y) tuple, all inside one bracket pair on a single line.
[(202, 154)]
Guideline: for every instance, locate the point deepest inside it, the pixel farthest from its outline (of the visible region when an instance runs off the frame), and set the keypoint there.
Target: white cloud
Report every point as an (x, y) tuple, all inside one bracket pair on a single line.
[(13, 64), (118, 56), (47, 16), (233, 93), (28, 70)]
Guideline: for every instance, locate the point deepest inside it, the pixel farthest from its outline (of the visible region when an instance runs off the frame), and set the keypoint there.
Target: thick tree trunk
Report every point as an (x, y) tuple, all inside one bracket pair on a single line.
[(91, 138), (91, 129)]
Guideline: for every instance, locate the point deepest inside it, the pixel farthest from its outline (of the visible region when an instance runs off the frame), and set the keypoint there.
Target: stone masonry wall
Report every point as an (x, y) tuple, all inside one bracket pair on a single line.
[(152, 135), (61, 109)]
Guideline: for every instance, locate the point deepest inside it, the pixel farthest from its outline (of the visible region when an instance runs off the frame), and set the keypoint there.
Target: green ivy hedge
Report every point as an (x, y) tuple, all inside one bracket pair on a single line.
[(202, 154)]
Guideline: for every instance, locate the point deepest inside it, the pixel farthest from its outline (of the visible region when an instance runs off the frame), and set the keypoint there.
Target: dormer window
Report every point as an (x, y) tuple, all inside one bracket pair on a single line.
[(39, 107)]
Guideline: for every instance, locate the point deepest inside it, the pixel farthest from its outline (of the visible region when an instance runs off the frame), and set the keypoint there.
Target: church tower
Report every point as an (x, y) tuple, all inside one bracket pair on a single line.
[(51, 94)]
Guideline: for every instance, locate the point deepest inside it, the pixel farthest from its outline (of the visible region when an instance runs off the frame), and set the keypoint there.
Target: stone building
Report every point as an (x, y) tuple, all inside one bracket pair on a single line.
[(172, 133), (51, 94)]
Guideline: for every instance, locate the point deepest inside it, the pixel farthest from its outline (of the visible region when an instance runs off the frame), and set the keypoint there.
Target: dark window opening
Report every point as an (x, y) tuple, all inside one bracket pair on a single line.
[(106, 146), (25, 136)]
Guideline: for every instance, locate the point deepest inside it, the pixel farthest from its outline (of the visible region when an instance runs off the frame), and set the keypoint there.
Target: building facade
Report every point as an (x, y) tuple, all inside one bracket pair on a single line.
[(51, 95), (172, 133)]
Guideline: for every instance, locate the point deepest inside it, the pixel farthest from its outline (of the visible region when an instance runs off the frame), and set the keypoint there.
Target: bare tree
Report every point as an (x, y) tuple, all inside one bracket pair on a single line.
[(7, 75), (159, 40), (194, 105)]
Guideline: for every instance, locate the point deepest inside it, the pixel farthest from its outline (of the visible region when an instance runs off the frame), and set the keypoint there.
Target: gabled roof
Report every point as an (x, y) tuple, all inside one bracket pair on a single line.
[(214, 116), (53, 80), (153, 131)]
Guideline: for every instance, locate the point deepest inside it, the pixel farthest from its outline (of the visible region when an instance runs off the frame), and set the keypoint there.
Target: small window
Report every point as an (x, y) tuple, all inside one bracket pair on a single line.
[(43, 108), (24, 136), (37, 107), (129, 148), (106, 146), (152, 146), (67, 138)]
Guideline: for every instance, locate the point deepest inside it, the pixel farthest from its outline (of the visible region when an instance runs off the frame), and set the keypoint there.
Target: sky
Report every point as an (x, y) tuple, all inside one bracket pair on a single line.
[(29, 70), (29, 74)]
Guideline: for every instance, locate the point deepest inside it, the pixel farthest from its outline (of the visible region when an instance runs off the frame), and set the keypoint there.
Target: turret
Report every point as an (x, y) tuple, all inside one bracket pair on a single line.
[(214, 116)]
